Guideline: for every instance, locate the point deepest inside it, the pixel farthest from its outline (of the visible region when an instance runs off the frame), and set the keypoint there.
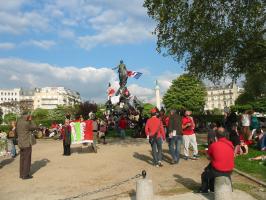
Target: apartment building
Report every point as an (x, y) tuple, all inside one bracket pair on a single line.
[(222, 97), (51, 97), (11, 100)]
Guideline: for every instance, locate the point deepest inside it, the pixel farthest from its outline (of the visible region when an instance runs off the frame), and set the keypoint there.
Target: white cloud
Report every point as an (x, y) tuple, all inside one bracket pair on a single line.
[(165, 80), (17, 23), (121, 33), (144, 94), (44, 44), (69, 34), (105, 22), (7, 46), (11, 5), (89, 81)]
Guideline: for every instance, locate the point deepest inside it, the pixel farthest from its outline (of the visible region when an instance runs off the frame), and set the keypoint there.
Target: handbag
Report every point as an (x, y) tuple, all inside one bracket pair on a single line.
[(32, 139), (11, 134)]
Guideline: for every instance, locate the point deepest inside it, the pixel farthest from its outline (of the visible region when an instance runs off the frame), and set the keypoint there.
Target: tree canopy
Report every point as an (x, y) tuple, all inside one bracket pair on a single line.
[(216, 38), (185, 92)]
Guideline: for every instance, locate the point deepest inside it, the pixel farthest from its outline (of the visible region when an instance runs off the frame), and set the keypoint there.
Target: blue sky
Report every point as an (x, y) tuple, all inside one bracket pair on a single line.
[(75, 43)]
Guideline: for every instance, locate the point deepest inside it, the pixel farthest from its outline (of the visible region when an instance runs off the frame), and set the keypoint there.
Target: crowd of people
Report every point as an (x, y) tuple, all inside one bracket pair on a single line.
[(242, 131), (177, 127), (226, 139)]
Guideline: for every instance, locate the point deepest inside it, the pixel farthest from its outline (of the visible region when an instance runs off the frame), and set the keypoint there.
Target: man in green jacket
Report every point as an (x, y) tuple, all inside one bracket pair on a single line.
[(24, 128)]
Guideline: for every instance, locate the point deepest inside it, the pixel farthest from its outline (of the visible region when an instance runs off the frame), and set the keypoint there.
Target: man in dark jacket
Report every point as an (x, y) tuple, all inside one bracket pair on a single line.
[(66, 130), (24, 128), (175, 135)]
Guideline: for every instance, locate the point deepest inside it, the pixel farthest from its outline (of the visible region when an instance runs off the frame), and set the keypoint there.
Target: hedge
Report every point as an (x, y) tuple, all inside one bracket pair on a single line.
[(5, 128), (48, 123)]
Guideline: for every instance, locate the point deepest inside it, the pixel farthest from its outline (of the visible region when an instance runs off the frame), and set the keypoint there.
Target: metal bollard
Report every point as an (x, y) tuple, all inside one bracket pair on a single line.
[(144, 189), (222, 188)]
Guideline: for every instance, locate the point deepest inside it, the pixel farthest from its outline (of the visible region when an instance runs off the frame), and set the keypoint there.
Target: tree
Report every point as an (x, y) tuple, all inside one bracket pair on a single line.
[(40, 114), (10, 117), (147, 108), (217, 111), (216, 38), (185, 92), (87, 107)]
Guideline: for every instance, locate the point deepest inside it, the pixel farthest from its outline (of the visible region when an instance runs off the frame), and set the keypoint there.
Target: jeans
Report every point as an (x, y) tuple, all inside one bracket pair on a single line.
[(263, 142), (11, 147), (122, 133), (156, 147), (174, 147)]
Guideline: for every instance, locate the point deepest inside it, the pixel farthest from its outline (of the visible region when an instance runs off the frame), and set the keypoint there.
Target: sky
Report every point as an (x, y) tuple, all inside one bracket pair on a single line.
[(76, 43)]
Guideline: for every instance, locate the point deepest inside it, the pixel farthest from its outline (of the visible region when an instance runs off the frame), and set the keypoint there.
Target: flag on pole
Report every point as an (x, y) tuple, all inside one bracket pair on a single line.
[(134, 74), (110, 90)]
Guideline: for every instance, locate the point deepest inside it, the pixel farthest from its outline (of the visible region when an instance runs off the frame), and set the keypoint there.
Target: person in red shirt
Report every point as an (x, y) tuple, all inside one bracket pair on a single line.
[(155, 133), (122, 124), (189, 136), (221, 156)]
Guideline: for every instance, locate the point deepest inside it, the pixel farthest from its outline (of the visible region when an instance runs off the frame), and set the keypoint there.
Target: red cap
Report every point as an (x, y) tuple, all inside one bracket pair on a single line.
[(154, 110)]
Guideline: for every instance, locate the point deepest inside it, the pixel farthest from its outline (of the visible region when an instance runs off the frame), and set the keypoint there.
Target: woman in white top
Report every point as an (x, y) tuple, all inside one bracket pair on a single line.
[(245, 121)]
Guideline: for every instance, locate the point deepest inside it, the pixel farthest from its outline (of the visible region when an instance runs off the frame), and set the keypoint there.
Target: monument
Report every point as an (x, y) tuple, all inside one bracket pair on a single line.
[(157, 96), (120, 103)]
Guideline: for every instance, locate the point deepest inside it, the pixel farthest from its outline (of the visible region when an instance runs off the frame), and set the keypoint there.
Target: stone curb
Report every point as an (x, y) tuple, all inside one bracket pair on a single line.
[(250, 177)]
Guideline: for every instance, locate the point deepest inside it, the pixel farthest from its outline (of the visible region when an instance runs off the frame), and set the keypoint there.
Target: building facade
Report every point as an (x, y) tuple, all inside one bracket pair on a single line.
[(222, 97), (51, 97), (13, 100), (8, 95)]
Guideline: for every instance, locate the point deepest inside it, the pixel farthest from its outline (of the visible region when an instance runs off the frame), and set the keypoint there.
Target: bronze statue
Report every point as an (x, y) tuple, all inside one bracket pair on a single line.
[(122, 72)]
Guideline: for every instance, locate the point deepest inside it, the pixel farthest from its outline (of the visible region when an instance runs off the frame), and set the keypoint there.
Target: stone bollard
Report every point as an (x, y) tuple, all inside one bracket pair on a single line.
[(144, 189), (222, 188)]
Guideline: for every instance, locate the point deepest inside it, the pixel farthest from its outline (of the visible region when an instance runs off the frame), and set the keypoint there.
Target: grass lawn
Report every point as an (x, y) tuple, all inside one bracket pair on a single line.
[(242, 163), (253, 168)]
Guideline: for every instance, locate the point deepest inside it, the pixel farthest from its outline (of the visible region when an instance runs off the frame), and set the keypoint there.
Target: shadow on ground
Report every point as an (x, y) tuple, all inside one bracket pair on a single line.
[(131, 194), (6, 162), (187, 182), (83, 149), (37, 165), (127, 141), (143, 157), (192, 185), (148, 159)]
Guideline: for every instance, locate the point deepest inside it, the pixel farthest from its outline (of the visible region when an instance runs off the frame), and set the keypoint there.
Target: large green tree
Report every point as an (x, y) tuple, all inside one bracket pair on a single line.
[(185, 92), (216, 37)]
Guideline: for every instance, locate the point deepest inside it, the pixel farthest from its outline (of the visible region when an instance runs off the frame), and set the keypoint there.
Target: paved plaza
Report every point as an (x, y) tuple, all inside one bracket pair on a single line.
[(60, 177)]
